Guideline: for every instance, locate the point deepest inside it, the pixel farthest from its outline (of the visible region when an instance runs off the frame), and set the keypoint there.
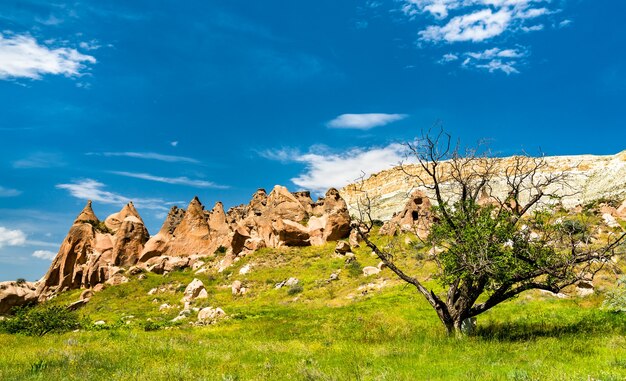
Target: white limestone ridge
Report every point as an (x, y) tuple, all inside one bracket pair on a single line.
[(589, 178)]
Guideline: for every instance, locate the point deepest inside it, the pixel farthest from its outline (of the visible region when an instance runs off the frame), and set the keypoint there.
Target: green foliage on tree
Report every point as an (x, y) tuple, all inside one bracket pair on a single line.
[(490, 246)]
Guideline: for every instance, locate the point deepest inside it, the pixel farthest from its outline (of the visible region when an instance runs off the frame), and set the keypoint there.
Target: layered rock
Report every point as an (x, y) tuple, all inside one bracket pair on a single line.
[(16, 294), (92, 253), (416, 217), (592, 178)]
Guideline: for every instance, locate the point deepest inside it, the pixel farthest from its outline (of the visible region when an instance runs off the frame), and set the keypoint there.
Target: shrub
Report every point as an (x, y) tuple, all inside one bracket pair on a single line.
[(40, 321), (354, 268), (20, 281), (295, 289), (616, 300), (220, 250)]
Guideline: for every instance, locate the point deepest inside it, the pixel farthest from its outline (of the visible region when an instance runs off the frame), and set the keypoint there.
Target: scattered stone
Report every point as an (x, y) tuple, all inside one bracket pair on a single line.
[(87, 294), (381, 265), (178, 318), (135, 270), (116, 280), (245, 269), (236, 288), (292, 282), (349, 258), (197, 265), (195, 290), (99, 322), (77, 304), (153, 291), (210, 315), (164, 307), (142, 276), (370, 270), (334, 276), (342, 248), (610, 220), (99, 287)]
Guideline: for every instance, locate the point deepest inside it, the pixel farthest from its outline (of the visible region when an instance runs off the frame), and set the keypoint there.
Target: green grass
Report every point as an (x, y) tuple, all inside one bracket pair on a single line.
[(329, 331)]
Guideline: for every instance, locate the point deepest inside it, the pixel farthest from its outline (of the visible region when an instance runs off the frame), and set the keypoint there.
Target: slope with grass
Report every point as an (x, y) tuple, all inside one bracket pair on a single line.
[(354, 328)]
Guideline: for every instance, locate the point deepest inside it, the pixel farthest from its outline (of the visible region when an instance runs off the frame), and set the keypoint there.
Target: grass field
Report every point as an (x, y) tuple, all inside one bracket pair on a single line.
[(356, 328)]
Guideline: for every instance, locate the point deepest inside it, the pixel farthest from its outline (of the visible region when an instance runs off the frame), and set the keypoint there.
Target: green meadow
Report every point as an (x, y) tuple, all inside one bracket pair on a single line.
[(353, 328)]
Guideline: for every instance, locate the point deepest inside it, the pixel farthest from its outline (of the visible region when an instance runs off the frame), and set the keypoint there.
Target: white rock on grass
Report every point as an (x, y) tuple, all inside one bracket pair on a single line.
[(195, 290), (210, 315), (370, 270)]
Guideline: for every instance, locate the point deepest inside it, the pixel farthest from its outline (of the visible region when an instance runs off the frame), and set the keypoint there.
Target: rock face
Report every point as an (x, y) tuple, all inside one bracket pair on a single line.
[(96, 252), (416, 217), (594, 177), (16, 294), (91, 253)]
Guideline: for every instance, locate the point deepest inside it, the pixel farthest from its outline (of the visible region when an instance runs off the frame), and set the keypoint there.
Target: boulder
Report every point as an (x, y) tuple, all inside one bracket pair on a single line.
[(210, 315), (370, 270), (195, 290), (342, 248), (236, 287), (16, 294)]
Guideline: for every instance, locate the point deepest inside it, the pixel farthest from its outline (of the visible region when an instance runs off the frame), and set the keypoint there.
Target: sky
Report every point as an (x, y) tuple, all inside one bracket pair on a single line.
[(158, 101)]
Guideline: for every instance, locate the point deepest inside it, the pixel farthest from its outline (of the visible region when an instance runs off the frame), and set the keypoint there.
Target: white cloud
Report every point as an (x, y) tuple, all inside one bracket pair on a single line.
[(8, 192), (171, 180), (475, 20), (21, 56), (324, 170), (174, 143), (491, 60), (147, 156), (565, 23), (44, 254), (475, 27), (11, 237), (496, 59), (364, 121), (89, 189)]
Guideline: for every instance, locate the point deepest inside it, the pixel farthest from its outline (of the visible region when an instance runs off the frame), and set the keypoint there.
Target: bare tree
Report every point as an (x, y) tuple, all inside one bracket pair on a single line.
[(492, 244)]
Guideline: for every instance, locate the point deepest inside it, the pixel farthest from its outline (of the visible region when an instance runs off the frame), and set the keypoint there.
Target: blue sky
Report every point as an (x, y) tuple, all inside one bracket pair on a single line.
[(158, 101)]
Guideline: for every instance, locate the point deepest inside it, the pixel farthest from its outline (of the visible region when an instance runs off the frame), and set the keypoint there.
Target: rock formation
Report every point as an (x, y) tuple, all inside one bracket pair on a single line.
[(16, 294), (593, 177), (416, 217), (96, 252), (93, 252)]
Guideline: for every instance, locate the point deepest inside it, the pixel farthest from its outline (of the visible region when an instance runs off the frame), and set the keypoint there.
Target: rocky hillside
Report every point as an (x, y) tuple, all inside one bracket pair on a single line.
[(589, 178), (98, 252)]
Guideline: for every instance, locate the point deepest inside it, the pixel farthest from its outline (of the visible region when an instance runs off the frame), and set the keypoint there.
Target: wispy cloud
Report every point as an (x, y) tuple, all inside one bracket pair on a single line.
[(10, 237), (89, 189), (492, 60), (364, 121), (40, 160), (9, 192), (325, 169), (21, 56), (171, 180), (44, 254), (147, 156)]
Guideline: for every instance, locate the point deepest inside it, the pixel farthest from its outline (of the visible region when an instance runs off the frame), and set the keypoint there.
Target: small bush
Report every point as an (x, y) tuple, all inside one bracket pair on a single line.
[(40, 321), (573, 227), (295, 289), (354, 268), (616, 300), (20, 281), (220, 250)]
